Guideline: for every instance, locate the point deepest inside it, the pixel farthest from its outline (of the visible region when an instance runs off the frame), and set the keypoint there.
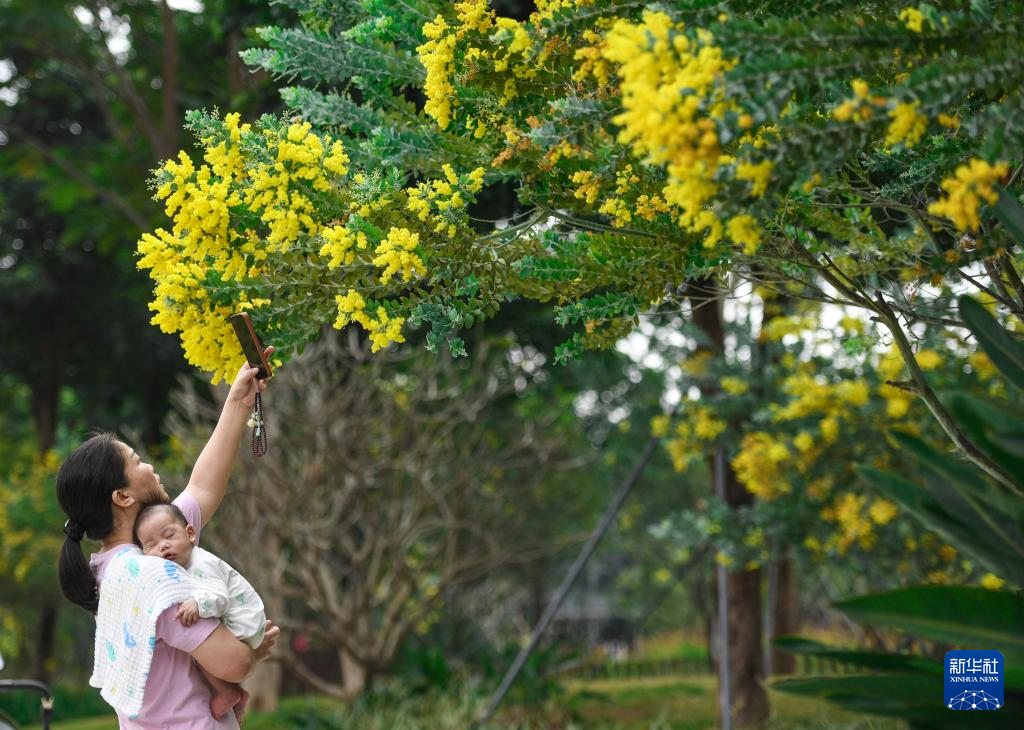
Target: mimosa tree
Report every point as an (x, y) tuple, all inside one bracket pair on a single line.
[(844, 152)]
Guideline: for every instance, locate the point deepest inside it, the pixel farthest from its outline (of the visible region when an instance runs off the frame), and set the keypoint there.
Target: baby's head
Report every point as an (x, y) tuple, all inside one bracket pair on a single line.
[(161, 530)]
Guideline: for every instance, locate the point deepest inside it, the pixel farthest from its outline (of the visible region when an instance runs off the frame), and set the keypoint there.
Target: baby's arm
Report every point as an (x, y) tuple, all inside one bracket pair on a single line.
[(212, 594), (211, 603)]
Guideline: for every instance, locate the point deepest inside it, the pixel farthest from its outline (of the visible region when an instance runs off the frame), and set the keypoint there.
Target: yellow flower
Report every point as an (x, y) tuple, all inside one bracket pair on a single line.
[(971, 184), (349, 304), (659, 426), (759, 174), (928, 359), (992, 582), (338, 242), (667, 80), (759, 465), (882, 511), (438, 58), (852, 324), (913, 18), (829, 429), (744, 229), (908, 125), (705, 426), (617, 210), (396, 254), (804, 442), (734, 386), (982, 365), (589, 187)]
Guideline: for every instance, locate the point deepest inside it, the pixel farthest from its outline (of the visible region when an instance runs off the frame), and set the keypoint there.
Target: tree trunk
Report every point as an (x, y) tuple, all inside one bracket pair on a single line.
[(169, 72), (746, 664), (354, 674), (264, 686), (45, 641), (47, 375), (236, 69), (746, 659), (786, 621)]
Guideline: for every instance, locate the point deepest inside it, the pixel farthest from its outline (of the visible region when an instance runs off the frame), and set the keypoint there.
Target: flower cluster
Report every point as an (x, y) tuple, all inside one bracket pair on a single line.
[(281, 189), (908, 125), (856, 517), (383, 328), (261, 196), (441, 203), (970, 185), (507, 47), (667, 80), (698, 426), (913, 18), (340, 245), (761, 465), (202, 240), (396, 255)]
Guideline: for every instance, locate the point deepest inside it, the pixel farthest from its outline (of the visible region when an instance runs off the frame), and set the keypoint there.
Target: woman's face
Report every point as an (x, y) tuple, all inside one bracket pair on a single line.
[(143, 483), (163, 536)]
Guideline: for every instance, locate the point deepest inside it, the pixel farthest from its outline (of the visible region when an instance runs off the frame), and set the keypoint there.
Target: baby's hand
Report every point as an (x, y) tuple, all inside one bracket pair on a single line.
[(188, 612)]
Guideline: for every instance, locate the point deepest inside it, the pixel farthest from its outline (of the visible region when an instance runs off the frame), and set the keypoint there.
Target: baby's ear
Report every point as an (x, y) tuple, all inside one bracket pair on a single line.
[(191, 534)]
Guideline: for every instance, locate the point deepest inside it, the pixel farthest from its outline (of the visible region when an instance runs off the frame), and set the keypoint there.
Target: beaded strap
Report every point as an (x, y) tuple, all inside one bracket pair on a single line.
[(259, 429)]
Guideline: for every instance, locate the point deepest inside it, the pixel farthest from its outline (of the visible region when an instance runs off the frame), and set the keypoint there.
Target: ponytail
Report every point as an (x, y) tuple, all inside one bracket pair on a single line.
[(76, 578), (85, 482)]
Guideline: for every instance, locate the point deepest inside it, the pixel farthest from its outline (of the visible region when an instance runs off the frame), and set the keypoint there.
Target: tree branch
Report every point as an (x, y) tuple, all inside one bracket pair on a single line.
[(76, 174)]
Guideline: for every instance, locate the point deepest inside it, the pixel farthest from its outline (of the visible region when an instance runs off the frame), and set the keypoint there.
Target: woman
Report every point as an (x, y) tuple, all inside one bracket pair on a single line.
[(101, 487)]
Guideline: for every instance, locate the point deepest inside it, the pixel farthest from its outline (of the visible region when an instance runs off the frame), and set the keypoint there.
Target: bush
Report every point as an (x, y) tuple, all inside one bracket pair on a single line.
[(70, 702)]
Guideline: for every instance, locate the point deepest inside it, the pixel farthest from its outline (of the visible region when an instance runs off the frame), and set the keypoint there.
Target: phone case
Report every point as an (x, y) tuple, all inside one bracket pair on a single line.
[(252, 348)]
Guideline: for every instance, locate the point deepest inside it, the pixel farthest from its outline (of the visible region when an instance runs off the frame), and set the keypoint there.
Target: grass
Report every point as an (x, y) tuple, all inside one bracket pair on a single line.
[(671, 645), (663, 703), (690, 703)]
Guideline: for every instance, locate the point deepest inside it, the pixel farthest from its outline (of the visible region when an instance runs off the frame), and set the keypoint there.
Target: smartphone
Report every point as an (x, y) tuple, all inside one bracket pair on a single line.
[(252, 348)]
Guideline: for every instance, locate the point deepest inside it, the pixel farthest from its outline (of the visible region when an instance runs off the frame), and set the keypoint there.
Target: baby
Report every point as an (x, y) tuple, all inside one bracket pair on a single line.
[(162, 531)]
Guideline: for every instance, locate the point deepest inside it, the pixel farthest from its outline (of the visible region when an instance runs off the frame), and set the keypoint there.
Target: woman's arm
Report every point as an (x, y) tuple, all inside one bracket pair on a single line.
[(227, 658), (210, 475)]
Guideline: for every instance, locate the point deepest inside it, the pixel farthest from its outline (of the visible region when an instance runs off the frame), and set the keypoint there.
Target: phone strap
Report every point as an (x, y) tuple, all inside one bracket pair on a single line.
[(259, 428)]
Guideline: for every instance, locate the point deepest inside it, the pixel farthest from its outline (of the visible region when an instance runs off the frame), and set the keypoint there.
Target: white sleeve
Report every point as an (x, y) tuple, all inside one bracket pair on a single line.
[(212, 591)]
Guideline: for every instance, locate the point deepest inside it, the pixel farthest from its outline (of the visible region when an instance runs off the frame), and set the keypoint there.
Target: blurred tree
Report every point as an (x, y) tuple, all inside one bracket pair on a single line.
[(91, 95), (648, 152), (389, 482)]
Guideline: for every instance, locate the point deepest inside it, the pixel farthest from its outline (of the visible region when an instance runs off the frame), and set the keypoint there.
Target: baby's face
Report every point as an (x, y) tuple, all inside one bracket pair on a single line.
[(162, 536)]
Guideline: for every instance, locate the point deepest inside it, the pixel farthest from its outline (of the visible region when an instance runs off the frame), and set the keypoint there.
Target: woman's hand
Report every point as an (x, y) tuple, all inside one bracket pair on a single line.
[(269, 639), (243, 390)]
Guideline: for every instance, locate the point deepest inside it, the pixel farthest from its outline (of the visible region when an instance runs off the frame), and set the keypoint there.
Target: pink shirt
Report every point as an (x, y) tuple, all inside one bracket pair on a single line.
[(176, 695)]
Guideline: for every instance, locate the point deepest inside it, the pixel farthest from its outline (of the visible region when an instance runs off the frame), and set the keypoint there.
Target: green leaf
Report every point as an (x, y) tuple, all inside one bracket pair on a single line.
[(983, 422), (955, 520), (1010, 213), (970, 617), (865, 659), (959, 489), (1006, 353), (916, 698)]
